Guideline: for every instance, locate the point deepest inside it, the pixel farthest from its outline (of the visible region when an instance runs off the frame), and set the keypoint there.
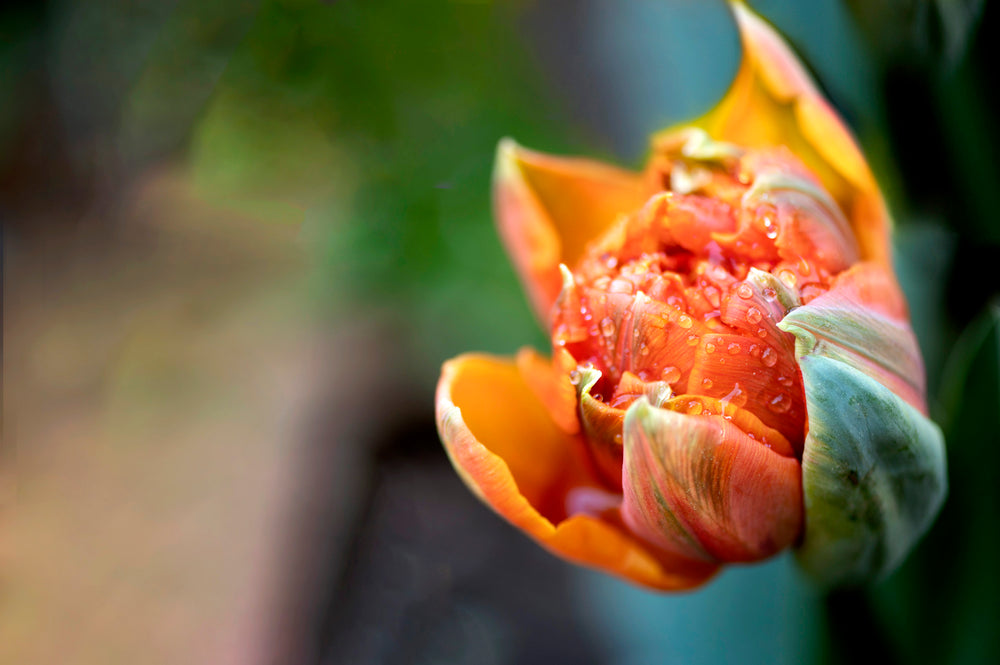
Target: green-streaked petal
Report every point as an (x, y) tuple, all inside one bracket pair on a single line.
[(700, 487), (873, 472), (861, 321)]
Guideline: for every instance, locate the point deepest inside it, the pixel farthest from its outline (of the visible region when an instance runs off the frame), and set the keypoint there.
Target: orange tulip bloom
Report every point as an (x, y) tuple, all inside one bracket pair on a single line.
[(700, 312)]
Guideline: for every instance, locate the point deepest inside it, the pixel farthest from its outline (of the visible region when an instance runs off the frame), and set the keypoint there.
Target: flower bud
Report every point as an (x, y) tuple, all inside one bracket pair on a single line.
[(732, 370)]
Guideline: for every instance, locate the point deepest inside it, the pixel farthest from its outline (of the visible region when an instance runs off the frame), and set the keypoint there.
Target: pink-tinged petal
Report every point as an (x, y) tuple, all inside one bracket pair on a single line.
[(862, 321), (773, 102), (548, 208), (700, 487), (511, 454)]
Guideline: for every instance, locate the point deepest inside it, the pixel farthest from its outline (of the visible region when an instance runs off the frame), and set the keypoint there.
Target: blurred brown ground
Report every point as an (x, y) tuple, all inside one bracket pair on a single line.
[(159, 374)]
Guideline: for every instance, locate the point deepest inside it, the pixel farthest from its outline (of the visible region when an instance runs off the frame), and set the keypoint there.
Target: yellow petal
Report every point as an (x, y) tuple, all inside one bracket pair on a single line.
[(773, 101), (516, 459), (548, 208)]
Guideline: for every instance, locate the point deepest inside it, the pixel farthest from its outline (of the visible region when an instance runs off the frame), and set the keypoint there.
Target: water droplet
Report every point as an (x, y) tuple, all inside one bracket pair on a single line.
[(785, 381), (676, 302), (780, 404), (636, 333), (752, 435), (788, 278), (754, 315), (694, 407), (618, 439), (770, 294), (733, 348), (772, 232), (712, 295), (735, 396), (692, 340), (621, 286), (609, 260), (755, 351), (599, 397), (607, 326), (644, 350), (684, 321), (761, 332), (671, 374), (574, 377), (706, 383), (744, 291), (769, 357), (709, 347)]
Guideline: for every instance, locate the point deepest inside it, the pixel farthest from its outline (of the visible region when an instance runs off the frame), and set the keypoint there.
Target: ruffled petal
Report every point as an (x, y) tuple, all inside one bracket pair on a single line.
[(511, 454), (699, 486), (548, 208), (861, 321), (773, 102)]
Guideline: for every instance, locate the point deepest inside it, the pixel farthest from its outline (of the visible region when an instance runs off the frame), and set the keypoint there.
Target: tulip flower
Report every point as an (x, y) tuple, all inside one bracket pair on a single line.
[(732, 373)]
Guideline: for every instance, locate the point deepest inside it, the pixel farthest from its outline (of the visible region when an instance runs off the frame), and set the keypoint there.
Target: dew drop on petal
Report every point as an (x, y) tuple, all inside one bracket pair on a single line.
[(733, 348), (706, 383), (684, 321), (618, 439), (643, 350), (744, 291), (785, 381), (621, 286), (671, 374), (574, 377), (769, 357), (709, 347), (694, 407), (607, 326), (788, 278), (754, 315), (780, 403), (712, 295), (692, 340)]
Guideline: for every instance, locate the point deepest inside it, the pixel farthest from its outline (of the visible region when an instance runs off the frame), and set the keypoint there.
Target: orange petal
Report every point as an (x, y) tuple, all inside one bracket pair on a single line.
[(509, 452), (548, 208), (773, 101), (699, 486)]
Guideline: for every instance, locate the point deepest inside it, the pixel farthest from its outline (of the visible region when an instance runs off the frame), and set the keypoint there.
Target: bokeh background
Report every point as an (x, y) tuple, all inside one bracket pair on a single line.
[(240, 237)]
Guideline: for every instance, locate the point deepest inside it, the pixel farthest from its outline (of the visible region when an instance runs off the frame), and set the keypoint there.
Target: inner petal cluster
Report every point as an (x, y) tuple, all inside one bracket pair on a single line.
[(687, 292)]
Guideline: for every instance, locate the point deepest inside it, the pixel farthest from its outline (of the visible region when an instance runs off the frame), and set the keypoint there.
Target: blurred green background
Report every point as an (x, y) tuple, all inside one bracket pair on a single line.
[(240, 238)]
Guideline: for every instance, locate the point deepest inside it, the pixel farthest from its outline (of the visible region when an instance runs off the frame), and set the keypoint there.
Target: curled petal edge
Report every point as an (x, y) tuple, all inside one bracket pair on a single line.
[(472, 443), (773, 101), (548, 208)]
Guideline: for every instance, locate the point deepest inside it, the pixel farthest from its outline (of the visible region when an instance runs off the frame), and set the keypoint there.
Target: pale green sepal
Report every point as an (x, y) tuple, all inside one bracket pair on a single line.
[(873, 474)]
